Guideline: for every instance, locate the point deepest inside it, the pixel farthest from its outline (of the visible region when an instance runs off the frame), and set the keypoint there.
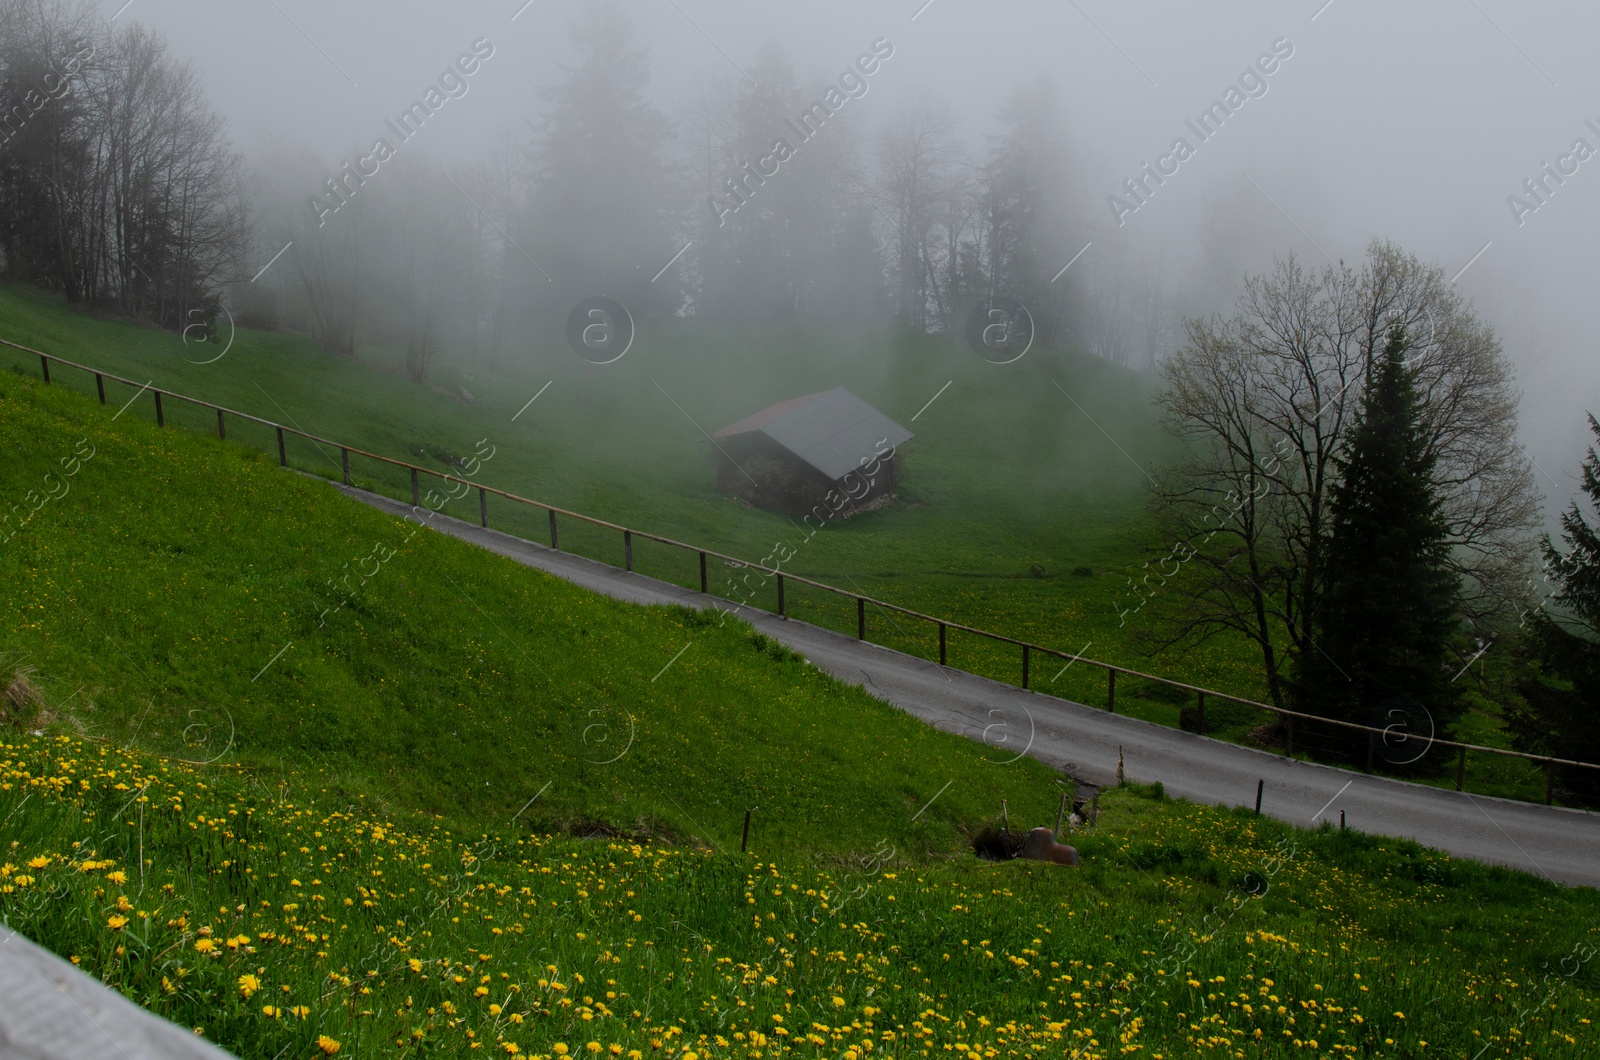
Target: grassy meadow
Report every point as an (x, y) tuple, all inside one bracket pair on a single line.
[(1022, 498), (274, 622), (317, 782), (282, 920)]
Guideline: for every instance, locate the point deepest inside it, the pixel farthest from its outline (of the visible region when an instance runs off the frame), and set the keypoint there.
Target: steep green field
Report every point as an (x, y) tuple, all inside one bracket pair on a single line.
[(283, 920), (1035, 464), (190, 597), (1022, 498), (349, 862)]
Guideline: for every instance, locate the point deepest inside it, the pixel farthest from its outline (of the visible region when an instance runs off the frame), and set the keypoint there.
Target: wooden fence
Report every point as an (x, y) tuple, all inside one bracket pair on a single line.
[(1026, 649)]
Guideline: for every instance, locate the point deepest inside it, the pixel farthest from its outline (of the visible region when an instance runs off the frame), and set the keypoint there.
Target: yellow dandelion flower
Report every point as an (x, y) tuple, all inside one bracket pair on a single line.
[(119, 877), (416, 965), (204, 945), (327, 1045), (116, 923), (248, 984), (39, 862)]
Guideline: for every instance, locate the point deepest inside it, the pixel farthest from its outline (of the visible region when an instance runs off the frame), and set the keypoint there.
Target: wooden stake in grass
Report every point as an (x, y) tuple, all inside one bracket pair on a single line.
[(744, 842), (1259, 785), (1005, 817)]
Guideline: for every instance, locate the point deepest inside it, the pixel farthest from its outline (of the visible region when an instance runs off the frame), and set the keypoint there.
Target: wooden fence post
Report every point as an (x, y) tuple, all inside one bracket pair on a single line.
[(283, 456), (1549, 781), (222, 427), (1260, 784), (744, 841), (1200, 727), (554, 541), (627, 550), (483, 507), (1025, 660), (1461, 767), (416, 494), (100, 385), (861, 618), (1288, 740), (1111, 689), (344, 463), (161, 419), (44, 366), (702, 571), (941, 644), (781, 613)]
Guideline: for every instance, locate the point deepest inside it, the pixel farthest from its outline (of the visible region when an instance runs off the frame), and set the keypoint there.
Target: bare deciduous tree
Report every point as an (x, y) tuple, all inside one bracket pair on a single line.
[(1265, 398), (921, 161)]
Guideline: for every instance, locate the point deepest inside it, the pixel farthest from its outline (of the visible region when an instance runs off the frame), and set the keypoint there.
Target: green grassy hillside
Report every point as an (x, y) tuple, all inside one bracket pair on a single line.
[(190, 597), (1016, 471), (1038, 464), (359, 871), (292, 922)]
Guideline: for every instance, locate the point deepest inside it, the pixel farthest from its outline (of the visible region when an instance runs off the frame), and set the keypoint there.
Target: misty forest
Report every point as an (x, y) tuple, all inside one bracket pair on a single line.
[(616, 528)]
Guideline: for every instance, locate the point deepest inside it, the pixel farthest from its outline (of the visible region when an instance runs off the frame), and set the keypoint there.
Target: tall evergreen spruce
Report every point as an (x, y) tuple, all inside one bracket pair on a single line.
[(601, 208), (1389, 611), (1561, 716)]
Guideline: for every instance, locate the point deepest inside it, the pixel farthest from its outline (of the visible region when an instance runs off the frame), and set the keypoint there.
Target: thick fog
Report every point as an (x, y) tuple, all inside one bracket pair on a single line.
[(1349, 120)]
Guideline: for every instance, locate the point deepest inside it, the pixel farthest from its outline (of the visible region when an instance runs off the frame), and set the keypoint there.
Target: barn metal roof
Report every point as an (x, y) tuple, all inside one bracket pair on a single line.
[(832, 431)]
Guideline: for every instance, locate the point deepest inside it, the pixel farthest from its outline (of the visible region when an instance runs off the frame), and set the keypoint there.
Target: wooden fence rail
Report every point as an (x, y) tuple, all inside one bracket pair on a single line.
[(943, 625)]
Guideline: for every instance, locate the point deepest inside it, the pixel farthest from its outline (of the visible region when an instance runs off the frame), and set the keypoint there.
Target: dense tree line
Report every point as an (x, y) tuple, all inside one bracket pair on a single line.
[(839, 225), (118, 185)]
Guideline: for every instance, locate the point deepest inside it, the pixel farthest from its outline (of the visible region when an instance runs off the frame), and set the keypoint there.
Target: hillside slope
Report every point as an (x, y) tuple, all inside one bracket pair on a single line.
[(295, 922), (189, 597), (295, 898), (1022, 497)]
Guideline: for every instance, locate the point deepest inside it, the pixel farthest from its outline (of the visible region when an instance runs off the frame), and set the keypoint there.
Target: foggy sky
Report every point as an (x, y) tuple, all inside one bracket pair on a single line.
[(1410, 123)]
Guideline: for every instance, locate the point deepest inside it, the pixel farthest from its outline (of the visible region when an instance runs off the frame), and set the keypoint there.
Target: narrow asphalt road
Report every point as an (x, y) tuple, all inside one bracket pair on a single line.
[(1084, 742)]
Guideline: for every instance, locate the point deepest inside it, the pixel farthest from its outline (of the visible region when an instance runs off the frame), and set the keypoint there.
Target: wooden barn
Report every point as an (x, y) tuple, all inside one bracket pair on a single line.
[(824, 453)]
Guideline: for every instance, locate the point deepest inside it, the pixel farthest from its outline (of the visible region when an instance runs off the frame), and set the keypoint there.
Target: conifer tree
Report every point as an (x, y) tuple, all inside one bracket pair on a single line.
[(1390, 606), (1561, 716), (600, 218)]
